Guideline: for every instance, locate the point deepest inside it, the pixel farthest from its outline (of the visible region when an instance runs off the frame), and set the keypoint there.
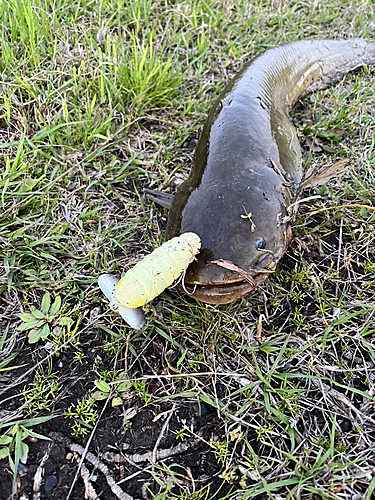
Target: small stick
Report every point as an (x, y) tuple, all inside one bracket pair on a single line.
[(338, 257), (155, 450), (340, 397), (151, 456), (360, 414), (309, 198), (89, 489), (227, 264), (39, 476)]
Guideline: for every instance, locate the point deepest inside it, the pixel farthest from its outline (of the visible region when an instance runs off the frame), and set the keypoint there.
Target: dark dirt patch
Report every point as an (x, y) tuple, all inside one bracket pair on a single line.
[(114, 433), (112, 436)]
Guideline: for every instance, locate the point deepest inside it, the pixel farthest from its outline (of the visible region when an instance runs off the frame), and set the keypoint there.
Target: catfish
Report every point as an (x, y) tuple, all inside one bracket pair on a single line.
[(247, 169)]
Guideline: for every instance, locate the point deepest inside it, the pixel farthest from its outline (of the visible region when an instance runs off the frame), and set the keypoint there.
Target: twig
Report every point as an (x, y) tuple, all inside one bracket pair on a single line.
[(154, 451), (298, 202), (338, 257), (90, 457), (354, 205), (144, 490), (150, 456), (360, 414), (330, 391), (39, 475), (89, 489), (141, 471), (232, 267)]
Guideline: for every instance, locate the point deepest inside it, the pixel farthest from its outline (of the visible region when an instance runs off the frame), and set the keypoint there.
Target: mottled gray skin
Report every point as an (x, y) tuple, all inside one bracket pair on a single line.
[(248, 161)]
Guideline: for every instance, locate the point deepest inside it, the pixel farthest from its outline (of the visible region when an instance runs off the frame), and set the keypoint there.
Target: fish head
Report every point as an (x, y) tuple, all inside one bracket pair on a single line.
[(244, 232)]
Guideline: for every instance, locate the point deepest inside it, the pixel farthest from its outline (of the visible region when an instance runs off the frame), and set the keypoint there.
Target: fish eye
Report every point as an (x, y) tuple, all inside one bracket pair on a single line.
[(260, 244)]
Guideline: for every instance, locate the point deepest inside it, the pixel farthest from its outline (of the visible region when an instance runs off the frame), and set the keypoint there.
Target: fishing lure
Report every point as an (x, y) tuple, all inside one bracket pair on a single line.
[(157, 271), (134, 317)]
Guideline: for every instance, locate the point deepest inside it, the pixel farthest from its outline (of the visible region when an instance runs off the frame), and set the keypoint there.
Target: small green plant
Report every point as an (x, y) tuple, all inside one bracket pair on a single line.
[(289, 353), (368, 285), (229, 476), (290, 399), (252, 466), (79, 356), (298, 319), (112, 383), (119, 392), (369, 267), (42, 322), (262, 431), (113, 346), (181, 434), (13, 446), (296, 295), (275, 303), (340, 447), (323, 308), (197, 362), (84, 416), (236, 434), (221, 451), (41, 391), (300, 276), (141, 391)]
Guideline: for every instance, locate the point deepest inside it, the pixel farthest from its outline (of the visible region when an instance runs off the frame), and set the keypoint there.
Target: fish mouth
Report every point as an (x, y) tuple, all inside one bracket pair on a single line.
[(223, 293), (229, 288)]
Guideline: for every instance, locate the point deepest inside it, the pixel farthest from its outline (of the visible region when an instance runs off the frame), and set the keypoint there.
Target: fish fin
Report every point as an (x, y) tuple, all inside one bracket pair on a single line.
[(325, 173), (134, 317), (163, 199)]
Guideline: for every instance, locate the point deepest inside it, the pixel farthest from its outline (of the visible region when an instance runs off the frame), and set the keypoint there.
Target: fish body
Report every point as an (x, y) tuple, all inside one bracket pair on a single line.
[(247, 166)]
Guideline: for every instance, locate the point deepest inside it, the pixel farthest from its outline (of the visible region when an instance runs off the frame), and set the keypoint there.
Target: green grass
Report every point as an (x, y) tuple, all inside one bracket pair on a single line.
[(101, 100)]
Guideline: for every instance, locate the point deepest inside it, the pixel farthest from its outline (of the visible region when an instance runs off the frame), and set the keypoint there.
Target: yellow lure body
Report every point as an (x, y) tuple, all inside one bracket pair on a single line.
[(157, 271)]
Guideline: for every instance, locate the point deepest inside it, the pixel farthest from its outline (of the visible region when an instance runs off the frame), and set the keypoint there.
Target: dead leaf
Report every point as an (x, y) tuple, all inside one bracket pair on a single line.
[(326, 173), (258, 335), (227, 264)]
